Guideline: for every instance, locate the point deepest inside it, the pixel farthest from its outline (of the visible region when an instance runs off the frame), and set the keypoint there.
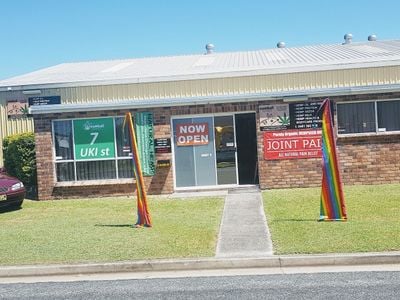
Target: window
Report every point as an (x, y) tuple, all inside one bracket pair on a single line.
[(62, 132), (388, 115), (92, 149), (368, 117)]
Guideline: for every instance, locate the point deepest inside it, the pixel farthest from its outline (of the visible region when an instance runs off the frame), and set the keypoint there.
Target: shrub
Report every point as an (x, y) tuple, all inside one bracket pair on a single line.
[(20, 159)]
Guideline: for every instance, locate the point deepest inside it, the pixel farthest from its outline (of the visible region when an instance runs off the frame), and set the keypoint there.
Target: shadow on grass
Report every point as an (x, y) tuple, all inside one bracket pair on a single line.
[(296, 220), (7, 209), (115, 225)]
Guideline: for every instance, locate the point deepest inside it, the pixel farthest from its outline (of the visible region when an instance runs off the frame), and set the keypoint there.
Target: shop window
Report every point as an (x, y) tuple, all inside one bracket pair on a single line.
[(368, 117), (70, 161), (356, 117), (122, 139), (65, 171), (388, 116), (92, 170), (63, 140), (125, 168)]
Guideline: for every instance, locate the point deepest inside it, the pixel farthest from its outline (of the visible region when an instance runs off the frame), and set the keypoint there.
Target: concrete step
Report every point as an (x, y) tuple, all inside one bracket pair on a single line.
[(243, 189)]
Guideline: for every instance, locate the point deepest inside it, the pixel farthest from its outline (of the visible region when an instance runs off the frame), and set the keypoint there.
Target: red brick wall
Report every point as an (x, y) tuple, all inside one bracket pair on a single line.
[(364, 160), (161, 183), (44, 157), (370, 160)]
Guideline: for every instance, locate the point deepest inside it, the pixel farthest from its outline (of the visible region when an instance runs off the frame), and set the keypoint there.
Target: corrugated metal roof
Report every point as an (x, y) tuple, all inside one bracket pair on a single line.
[(269, 61)]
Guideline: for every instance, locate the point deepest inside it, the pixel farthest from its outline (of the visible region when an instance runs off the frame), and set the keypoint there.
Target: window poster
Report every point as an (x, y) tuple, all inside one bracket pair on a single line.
[(192, 134), (94, 138)]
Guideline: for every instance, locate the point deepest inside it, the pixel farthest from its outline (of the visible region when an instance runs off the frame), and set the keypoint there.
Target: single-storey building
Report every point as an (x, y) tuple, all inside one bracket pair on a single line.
[(212, 120)]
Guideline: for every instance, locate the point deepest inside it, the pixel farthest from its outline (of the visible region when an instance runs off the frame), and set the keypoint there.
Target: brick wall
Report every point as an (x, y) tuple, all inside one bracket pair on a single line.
[(44, 157), (373, 159), (370, 160), (364, 160), (161, 183)]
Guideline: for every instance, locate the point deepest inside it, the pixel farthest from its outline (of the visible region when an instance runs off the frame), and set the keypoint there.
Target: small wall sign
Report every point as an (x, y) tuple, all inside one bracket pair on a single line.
[(162, 145), (274, 117), (44, 100), (166, 163), (304, 115), (17, 109), (301, 115)]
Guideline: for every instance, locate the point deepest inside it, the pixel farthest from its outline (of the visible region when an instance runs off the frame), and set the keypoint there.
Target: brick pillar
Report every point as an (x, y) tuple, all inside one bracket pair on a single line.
[(162, 181), (44, 158)]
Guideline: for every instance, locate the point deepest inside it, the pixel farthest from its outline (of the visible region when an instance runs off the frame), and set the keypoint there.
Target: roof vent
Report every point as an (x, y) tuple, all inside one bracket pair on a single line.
[(281, 45), (210, 48), (348, 38), (372, 38)]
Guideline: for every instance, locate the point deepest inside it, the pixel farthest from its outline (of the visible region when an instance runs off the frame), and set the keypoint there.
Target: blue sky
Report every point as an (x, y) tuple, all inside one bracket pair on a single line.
[(41, 33)]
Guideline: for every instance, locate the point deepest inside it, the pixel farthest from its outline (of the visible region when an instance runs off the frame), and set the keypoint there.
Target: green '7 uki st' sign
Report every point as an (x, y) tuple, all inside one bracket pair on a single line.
[(94, 138)]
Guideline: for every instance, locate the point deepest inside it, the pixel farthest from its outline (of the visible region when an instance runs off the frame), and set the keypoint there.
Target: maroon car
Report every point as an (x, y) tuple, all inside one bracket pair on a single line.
[(12, 191)]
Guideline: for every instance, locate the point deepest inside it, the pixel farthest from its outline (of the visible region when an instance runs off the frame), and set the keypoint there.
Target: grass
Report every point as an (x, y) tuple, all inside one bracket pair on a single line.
[(100, 230), (373, 221)]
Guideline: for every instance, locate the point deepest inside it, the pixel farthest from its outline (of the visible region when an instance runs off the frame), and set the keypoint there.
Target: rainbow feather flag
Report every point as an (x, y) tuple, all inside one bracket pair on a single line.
[(144, 218), (332, 199)]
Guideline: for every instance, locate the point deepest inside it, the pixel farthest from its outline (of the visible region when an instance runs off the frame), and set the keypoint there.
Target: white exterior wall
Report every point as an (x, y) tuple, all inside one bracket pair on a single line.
[(233, 85)]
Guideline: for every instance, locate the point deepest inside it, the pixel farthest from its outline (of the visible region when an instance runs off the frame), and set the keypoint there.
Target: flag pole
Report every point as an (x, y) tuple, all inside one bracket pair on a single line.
[(332, 206), (144, 218)]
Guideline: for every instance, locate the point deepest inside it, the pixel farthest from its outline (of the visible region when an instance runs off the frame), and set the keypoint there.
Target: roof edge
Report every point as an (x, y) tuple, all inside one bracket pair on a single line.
[(216, 75)]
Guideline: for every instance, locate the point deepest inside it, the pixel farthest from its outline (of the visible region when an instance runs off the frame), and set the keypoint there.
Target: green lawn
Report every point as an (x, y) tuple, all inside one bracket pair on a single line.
[(373, 220), (99, 230)]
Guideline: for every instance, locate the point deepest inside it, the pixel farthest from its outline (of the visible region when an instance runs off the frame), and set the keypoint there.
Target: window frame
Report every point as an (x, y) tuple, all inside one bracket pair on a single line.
[(116, 159), (377, 132)]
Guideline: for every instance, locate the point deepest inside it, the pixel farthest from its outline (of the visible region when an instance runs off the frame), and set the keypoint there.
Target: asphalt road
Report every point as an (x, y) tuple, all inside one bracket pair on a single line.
[(360, 285)]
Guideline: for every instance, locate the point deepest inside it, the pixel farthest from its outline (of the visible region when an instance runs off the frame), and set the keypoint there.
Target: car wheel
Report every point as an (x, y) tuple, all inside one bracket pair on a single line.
[(17, 204)]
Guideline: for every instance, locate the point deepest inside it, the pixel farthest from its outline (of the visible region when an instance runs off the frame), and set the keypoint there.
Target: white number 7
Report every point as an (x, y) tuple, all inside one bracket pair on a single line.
[(95, 135)]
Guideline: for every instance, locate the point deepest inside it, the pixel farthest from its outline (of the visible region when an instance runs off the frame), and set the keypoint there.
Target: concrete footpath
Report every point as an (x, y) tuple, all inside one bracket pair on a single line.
[(244, 231)]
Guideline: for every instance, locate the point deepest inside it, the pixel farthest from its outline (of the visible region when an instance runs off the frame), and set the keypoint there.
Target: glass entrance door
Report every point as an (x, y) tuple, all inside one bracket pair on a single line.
[(225, 146), (205, 151), (194, 152)]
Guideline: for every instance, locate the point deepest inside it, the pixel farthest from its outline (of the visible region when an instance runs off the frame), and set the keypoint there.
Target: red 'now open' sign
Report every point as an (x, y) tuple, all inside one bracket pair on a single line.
[(192, 134)]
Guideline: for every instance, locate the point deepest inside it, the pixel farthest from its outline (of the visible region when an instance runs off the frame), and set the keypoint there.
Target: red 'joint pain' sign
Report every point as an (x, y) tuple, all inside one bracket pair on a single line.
[(192, 134), (292, 144)]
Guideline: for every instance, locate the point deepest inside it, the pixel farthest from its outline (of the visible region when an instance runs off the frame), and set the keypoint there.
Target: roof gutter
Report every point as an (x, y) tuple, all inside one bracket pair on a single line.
[(203, 100)]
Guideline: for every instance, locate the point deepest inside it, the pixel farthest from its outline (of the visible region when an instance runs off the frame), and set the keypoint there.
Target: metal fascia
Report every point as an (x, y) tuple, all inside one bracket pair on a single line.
[(167, 102)]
